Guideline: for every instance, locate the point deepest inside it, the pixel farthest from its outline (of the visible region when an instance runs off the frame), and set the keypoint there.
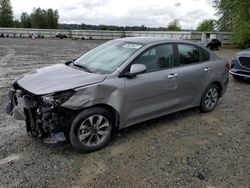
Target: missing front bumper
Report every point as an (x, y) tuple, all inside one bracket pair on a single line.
[(41, 121)]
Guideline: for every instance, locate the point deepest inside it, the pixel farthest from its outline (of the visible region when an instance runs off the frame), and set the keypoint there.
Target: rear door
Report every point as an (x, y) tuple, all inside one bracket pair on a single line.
[(193, 72)]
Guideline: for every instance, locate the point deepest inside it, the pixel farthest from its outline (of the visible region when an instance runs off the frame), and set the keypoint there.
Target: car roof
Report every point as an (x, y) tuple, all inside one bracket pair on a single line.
[(149, 40)]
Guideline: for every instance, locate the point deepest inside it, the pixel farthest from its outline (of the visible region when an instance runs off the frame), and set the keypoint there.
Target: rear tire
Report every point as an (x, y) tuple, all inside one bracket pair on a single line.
[(210, 98), (91, 130)]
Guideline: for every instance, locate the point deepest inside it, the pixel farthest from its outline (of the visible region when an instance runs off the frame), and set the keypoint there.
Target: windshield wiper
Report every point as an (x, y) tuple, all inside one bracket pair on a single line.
[(86, 69)]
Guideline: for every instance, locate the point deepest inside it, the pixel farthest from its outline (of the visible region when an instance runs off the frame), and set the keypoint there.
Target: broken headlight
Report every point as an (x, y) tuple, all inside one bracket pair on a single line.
[(57, 99)]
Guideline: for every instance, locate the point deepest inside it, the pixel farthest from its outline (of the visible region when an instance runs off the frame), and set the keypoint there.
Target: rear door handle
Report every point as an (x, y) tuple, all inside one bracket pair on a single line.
[(207, 69), (173, 75)]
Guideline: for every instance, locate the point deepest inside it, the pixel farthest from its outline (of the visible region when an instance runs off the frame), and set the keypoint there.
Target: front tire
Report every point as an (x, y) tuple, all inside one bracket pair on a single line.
[(210, 98), (91, 130)]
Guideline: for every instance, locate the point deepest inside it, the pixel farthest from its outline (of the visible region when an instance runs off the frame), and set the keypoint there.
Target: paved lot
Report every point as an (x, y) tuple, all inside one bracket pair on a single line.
[(185, 149)]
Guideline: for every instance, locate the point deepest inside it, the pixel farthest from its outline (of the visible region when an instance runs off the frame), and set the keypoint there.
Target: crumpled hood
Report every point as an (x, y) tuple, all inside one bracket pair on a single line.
[(56, 78)]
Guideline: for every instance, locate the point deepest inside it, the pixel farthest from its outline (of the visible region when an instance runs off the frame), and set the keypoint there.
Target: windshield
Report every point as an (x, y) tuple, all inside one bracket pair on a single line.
[(107, 57)]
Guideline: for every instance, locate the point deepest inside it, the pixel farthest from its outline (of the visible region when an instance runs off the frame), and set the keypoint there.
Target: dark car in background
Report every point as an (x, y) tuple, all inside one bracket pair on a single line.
[(212, 44), (61, 36), (240, 66)]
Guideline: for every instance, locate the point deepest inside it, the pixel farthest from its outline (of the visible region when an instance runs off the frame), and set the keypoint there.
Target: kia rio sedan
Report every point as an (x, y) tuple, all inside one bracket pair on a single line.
[(118, 84)]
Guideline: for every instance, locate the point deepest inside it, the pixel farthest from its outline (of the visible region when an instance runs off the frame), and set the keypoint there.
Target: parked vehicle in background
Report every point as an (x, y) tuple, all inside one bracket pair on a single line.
[(61, 36), (118, 84), (212, 44), (240, 66), (40, 36)]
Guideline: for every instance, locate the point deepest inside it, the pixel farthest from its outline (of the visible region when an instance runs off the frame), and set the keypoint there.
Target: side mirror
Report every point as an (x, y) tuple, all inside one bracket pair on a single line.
[(136, 69)]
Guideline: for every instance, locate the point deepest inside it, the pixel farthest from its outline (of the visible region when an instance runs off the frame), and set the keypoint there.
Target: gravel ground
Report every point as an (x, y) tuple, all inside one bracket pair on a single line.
[(184, 149)]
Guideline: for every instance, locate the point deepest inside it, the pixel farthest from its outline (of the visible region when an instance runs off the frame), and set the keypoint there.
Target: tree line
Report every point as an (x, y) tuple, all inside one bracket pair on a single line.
[(172, 26), (39, 18)]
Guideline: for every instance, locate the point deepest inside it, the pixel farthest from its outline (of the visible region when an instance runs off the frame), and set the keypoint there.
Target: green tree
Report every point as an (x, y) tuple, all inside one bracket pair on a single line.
[(143, 28), (35, 18), (103, 27), (6, 14), (38, 18), (52, 18), (173, 26), (224, 11), (44, 19), (16, 23), (206, 25), (25, 20), (234, 16)]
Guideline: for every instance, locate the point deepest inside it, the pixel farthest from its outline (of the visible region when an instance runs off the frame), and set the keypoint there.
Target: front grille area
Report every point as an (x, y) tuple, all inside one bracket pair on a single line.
[(245, 61)]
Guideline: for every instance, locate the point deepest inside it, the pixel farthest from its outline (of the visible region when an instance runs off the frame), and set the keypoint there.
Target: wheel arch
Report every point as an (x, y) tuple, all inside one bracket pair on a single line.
[(219, 86), (112, 110)]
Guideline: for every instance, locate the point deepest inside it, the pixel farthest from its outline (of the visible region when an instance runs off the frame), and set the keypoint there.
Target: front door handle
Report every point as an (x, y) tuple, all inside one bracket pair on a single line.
[(207, 69), (172, 76)]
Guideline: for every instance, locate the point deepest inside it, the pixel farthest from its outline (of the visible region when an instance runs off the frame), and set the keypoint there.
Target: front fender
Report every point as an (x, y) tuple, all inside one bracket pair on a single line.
[(110, 93)]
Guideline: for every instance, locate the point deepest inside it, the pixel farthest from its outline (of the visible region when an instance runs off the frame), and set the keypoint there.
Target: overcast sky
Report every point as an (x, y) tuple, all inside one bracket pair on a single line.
[(154, 13)]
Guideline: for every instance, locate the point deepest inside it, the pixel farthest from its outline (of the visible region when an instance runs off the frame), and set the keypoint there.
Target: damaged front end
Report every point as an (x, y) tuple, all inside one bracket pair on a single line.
[(44, 116)]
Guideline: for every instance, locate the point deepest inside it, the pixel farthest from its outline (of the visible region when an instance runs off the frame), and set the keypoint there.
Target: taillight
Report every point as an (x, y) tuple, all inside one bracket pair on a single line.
[(227, 66)]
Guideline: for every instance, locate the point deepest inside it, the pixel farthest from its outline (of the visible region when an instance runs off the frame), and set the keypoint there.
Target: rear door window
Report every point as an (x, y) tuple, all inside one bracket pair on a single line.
[(189, 54)]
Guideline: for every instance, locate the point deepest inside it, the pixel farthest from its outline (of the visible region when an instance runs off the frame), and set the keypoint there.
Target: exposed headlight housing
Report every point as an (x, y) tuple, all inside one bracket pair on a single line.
[(58, 98)]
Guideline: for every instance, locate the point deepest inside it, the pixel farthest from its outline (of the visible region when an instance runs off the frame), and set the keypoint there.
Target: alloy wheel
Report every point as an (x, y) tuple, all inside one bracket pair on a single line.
[(211, 98), (94, 130)]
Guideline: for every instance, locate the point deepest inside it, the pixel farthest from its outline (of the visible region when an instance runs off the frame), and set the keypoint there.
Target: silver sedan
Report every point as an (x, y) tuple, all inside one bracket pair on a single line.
[(118, 84)]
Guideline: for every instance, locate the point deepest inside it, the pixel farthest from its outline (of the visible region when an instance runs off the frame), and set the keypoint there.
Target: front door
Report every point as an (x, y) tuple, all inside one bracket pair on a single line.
[(155, 90)]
